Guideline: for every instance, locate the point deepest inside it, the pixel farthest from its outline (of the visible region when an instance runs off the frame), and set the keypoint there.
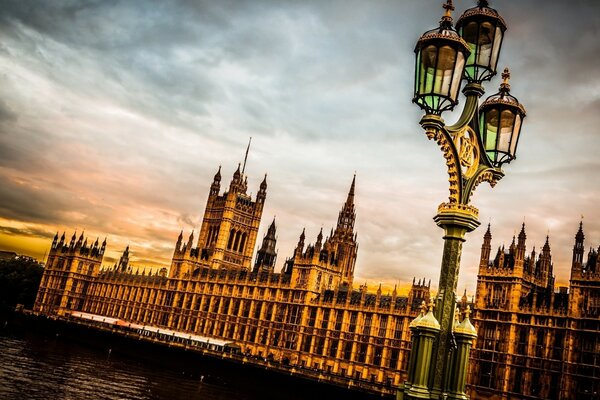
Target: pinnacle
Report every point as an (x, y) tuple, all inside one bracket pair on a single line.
[(350, 199)]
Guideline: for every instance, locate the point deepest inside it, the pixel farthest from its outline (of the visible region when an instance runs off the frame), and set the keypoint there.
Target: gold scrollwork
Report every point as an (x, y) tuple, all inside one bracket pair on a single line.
[(468, 150), (453, 170), (485, 176)]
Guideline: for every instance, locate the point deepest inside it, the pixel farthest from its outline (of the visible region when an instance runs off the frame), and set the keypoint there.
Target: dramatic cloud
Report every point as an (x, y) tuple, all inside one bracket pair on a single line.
[(115, 115)]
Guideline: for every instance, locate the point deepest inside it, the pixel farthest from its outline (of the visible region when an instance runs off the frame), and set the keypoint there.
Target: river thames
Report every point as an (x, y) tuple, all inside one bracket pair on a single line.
[(36, 365)]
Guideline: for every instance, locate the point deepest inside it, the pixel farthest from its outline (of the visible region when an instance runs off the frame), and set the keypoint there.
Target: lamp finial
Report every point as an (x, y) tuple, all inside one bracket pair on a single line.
[(467, 312), (505, 86), (446, 21), (430, 305)]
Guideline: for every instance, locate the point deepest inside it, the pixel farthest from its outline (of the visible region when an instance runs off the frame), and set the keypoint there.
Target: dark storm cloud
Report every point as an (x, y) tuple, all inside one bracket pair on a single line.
[(20, 202), (115, 115)]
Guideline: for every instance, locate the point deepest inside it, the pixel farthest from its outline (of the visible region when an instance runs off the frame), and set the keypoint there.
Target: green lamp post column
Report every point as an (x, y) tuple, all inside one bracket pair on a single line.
[(475, 147), (464, 333), (428, 329), (415, 336)]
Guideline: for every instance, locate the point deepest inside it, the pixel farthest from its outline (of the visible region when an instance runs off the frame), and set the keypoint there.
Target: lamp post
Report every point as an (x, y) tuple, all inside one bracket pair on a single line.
[(475, 148)]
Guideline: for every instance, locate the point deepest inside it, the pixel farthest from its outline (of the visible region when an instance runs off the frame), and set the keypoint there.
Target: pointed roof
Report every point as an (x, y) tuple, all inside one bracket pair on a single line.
[(237, 174), (580, 236), (263, 184), (546, 247), (350, 199), (218, 175), (522, 234), (488, 233), (272, 229)]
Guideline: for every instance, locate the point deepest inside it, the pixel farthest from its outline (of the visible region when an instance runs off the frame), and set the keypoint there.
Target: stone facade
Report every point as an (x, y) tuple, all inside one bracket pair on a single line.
[(536, 341), (309, 316)]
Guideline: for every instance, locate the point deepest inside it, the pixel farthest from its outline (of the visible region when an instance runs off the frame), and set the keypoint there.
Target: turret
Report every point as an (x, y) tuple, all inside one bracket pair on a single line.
[(55, 241), (578, 248), (347, 215), (236, 182), (262, 192), (486, 248), (545, 263), (179, 241), (300, 246), (319, 243), (267, 255), (520, 254), (216, 185), (79, 241), (188, 246), (124, 260)]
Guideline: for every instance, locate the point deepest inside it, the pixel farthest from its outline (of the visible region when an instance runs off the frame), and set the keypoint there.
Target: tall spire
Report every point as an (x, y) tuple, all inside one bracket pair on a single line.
[(350, 199), (578, 248), (488, 233), (246, 156), (272, 229), (486, 249), (580, 236), (522, 235), (546, 247), (347, 215), (267, 254)]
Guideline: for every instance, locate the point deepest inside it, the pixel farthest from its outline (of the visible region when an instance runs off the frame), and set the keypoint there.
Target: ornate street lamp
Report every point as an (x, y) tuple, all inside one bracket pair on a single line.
[(500, 119), (441, 55), (483, 30), (475, 148)]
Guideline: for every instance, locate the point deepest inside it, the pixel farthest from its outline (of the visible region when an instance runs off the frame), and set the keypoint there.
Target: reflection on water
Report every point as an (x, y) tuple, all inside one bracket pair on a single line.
[(36, 366)]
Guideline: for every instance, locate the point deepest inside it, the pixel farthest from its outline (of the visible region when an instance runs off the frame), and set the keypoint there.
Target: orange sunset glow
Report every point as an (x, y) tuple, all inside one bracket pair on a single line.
[(114, 119)]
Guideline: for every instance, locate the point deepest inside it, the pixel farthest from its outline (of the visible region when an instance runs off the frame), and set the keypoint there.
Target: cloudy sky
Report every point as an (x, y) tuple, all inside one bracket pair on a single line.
[(115, 115)]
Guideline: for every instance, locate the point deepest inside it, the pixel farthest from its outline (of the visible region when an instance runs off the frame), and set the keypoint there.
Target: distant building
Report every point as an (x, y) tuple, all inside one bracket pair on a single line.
[(309, 316), (534, 341)]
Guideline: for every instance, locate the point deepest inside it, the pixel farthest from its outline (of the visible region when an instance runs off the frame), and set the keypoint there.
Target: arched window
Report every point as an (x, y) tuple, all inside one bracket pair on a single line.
[(231, 236), (243, 243), (237, 241)]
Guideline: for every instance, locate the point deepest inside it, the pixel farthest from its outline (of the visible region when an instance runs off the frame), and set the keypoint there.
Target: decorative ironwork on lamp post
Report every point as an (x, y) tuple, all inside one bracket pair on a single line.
[(475, 148)]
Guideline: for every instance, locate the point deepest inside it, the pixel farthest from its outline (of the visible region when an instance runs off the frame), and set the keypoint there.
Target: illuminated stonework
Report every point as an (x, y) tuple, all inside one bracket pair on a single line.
[(535, 342), (309, 317)]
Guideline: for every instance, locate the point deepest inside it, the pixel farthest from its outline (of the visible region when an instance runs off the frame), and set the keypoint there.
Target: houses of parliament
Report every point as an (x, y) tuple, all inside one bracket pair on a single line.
[(534, 341)]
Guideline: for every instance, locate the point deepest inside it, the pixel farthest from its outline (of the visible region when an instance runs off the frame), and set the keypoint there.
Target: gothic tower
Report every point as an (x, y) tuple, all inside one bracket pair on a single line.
[(267, 254), (330, 261), (576, 266), (486, 249), (230, 224), (228, 232), (343, 240)]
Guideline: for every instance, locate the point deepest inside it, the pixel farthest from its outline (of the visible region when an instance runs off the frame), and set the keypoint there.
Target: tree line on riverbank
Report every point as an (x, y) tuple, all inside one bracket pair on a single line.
[(19, 281)]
